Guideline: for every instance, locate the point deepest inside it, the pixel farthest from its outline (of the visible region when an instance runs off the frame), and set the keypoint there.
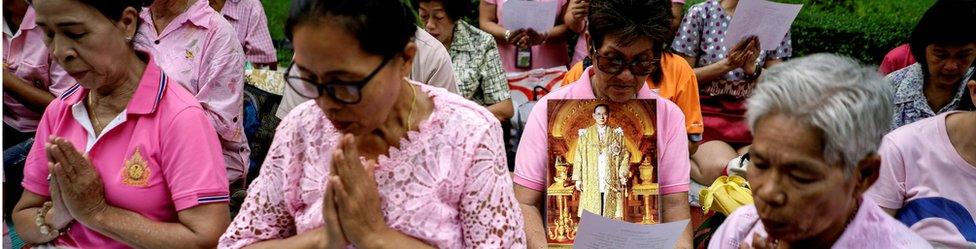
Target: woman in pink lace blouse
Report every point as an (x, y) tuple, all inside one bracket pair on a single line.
[(375, 160)]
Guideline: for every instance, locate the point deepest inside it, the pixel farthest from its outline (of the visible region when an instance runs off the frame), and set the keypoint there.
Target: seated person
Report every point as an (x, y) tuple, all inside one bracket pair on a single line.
[(248, 19), (376, 160), (477, 65), (199, 49), (627, 46), (726, 76), (928, 174), (818, 121), (945, 53), (125, 158)]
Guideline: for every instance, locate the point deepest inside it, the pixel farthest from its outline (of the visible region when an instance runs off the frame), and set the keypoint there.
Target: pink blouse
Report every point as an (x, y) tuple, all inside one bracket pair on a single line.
[(447, 185)]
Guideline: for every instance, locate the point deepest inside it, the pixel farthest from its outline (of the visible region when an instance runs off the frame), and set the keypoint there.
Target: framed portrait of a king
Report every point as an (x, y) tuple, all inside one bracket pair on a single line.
[(603, 160)]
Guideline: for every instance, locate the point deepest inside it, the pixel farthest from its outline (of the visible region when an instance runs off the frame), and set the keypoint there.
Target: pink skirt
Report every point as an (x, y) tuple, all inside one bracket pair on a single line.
[(724, 119)]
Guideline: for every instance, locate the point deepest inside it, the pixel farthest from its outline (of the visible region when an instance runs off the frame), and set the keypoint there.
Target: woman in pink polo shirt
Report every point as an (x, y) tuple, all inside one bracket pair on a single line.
[(375, 160), (627, 47), (126, 158)]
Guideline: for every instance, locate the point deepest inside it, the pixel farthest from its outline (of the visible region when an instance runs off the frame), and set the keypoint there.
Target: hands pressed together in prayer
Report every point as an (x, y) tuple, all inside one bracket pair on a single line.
[(76, 189), (351, 206), (744, 54)]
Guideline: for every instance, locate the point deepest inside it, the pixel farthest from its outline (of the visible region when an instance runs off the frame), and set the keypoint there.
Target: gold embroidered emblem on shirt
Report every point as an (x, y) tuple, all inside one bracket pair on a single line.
[(136, 171), (189, 55)]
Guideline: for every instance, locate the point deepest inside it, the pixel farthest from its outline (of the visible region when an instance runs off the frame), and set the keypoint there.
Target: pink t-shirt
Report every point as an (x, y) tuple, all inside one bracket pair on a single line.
[(162, 127), (25, 55), (871, 228), (251, 24), (447, 185), (932, 186), (200, 50), (897, 58), (675, 167), (546, 55)]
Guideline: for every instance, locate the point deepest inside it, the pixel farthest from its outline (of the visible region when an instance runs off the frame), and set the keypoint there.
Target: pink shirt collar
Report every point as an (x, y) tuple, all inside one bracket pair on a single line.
[(195, 14), (146, 98), (30, 20)]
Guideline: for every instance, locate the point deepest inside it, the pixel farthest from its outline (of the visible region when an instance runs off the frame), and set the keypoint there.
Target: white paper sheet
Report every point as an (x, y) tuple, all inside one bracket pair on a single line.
[(537, 15), (768, 20), (600, 232)]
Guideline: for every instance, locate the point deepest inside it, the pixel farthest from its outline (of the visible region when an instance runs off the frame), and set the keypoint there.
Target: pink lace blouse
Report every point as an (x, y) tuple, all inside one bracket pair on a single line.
[(448, 185)]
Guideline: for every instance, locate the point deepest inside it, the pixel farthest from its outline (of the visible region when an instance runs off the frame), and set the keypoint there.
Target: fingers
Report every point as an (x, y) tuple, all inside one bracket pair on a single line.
[(69, 151), (59, 157), (329, 205), (341, 195)]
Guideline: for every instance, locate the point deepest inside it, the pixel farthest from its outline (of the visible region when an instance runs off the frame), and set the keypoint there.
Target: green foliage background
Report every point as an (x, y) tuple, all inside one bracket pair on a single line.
[(863, 29)]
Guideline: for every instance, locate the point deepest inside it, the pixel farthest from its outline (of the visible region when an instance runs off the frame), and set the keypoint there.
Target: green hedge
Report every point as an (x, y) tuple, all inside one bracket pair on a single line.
[(864, 29)]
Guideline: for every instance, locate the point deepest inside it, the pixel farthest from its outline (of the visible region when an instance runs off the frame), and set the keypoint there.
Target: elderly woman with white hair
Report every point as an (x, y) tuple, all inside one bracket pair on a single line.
[(817, 122)]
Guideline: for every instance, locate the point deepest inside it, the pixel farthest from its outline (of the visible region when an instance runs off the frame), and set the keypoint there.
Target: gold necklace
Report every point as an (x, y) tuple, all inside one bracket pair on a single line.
[(94, 115)]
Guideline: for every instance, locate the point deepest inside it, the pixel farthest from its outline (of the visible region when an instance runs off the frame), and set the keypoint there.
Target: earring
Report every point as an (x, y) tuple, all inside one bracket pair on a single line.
[(128, 39)]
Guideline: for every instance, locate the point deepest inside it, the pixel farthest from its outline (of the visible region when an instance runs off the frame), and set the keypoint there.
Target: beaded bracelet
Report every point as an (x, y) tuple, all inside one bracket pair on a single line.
[(39, 218)]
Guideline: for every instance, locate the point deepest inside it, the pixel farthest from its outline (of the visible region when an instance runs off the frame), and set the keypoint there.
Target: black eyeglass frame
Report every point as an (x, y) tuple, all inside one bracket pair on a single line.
[(331, 88)]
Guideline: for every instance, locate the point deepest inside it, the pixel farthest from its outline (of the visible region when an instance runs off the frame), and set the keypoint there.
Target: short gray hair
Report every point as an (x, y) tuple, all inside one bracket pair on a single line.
[(849, 103)]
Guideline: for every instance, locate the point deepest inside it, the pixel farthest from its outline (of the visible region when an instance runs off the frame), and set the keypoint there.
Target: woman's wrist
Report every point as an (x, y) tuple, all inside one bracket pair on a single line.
[(376, 239)]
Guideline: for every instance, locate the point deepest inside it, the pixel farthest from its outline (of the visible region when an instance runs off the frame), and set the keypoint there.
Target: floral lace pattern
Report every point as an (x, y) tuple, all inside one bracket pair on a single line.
[(448, 184)]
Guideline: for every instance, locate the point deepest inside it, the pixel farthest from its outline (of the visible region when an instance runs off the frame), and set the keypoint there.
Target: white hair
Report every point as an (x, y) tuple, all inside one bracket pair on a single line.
[(849, 103)]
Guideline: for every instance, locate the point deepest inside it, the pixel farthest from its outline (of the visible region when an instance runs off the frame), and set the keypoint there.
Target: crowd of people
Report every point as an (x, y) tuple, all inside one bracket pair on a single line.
[(124, 124)]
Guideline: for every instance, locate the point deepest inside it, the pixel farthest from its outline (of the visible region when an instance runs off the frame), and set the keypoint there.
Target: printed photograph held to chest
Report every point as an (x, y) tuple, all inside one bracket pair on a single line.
[(602, 159)]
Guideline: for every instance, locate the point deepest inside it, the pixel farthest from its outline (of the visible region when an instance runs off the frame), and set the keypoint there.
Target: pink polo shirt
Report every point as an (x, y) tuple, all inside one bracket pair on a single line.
[(248, 19), (26, 56), (200, 50), (163, 127), (546, 55), (675, 168)]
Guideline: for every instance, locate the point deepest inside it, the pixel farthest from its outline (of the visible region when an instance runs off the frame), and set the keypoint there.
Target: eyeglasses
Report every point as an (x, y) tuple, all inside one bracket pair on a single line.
[(345, 92), (615, 65)]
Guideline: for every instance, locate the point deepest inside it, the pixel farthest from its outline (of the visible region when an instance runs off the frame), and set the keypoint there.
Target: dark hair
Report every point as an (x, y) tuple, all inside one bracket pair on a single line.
[(113, 8), (605, 107), (382, 27), (944, 23), (631, 20), (456, 9)]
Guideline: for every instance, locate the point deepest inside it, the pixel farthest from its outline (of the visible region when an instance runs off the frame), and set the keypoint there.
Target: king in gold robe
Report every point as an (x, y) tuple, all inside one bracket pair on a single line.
[(601, 166)]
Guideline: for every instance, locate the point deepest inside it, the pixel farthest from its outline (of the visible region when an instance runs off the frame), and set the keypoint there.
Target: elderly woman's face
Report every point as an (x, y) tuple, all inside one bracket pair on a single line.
[(948, 64), (436, 21), (623, 85), (325, 53), (86, 43), (798, 195)]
